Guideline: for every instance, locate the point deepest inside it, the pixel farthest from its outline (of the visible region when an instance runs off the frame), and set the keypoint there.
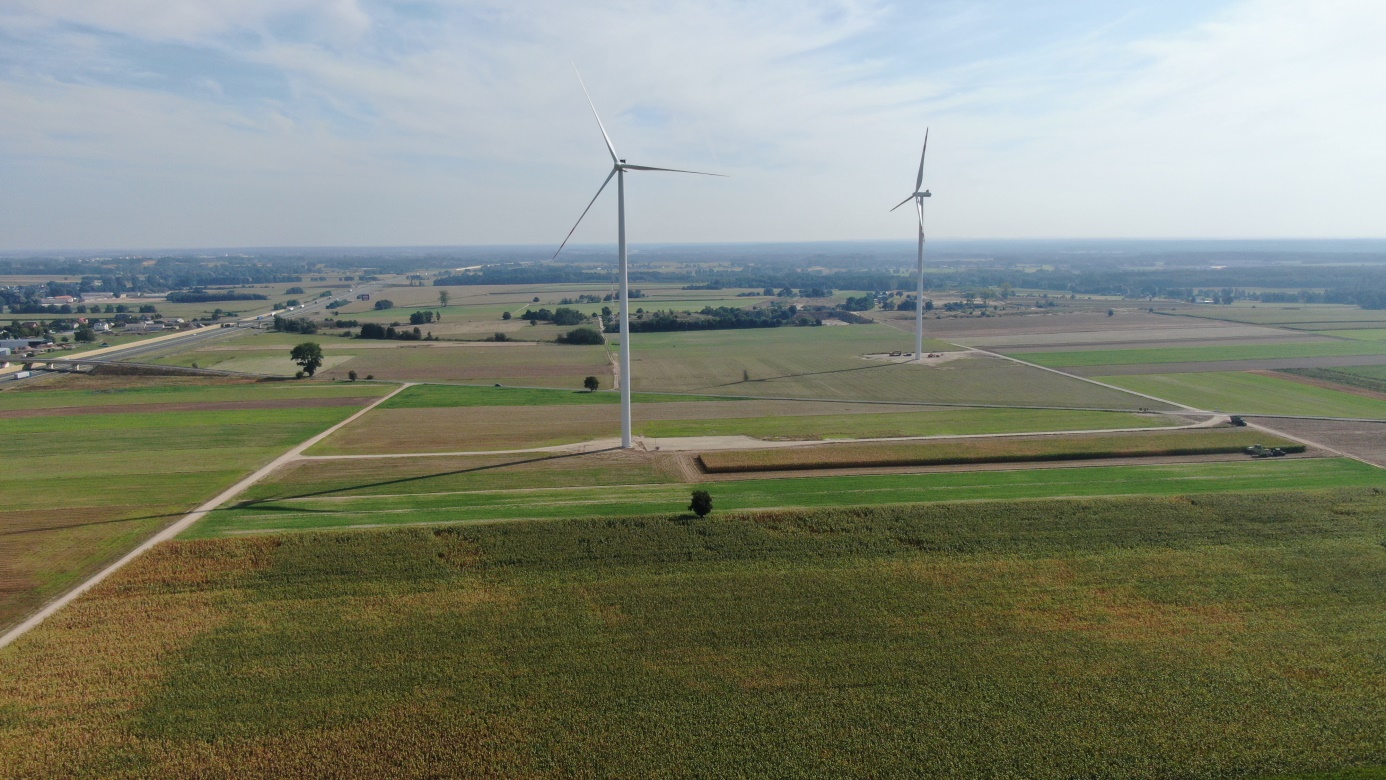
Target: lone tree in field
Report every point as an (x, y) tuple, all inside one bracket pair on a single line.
[(702, 503), (591, 384), (443, 297), (308, 356)]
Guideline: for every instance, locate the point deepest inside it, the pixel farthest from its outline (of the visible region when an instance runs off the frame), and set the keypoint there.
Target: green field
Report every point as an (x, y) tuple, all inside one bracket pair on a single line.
[(828, 363), (1297, 316), (1364, 334), (483, 505), (1211, 636), (81, 391), (80, 489), (1241, 393), (1195, 354)]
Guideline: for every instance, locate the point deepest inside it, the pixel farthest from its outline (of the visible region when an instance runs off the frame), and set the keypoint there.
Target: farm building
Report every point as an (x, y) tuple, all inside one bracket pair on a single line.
[(17, 345)]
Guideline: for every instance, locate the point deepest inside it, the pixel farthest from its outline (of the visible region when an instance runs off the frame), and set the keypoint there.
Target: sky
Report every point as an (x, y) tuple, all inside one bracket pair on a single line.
[(204, 123)]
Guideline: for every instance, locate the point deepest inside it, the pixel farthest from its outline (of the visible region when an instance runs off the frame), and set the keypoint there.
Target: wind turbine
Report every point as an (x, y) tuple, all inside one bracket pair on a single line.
[(618, 169), (918, 197)]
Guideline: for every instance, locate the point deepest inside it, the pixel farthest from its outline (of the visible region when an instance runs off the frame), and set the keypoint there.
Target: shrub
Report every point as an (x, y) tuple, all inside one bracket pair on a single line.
[(701, 504), (581, 336)]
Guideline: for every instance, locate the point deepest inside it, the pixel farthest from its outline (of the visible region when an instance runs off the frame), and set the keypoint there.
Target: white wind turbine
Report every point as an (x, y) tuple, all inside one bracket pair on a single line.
[(918, 197), (618, 169)]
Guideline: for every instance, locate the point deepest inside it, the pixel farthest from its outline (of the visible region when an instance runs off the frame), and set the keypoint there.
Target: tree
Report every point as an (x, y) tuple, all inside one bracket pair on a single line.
[(702, 503), (383, 304), (591, 383), (352, 375), (308, 356), (443, 297), (505, 315), (581, 336)]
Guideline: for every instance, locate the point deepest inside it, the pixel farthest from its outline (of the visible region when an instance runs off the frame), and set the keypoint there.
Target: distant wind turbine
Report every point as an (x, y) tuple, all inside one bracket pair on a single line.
[(618, 169), (918, 197)]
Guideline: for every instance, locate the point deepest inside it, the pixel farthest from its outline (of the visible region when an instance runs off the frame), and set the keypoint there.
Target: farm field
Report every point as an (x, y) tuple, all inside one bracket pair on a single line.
[(552, 365), (1364, 334), (1247, 393), (83, 486), (1196, 354), (1209, 636), (828, 363), (1222, 334), (402, 508), (994, 450), (411, 422), (1296, 316)]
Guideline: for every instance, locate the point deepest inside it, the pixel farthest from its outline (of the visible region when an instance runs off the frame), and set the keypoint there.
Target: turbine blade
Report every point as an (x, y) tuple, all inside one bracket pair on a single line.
[(605, 137), (670, 170), (919, 180), (919, 205), (903, 202), (584, 213)]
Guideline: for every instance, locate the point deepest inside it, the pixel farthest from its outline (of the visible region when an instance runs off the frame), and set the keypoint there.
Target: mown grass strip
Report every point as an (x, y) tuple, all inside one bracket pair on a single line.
[(761, 494), (1244, 393), (993, 450), (1132, 357)]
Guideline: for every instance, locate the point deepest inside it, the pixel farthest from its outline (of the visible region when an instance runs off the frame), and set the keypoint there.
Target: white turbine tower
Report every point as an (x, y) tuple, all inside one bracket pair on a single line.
[(618, 169), (918, 197)]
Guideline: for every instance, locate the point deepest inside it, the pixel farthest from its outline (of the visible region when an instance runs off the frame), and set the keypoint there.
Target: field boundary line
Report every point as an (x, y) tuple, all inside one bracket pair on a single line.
[(178, 527), (1088, 380)]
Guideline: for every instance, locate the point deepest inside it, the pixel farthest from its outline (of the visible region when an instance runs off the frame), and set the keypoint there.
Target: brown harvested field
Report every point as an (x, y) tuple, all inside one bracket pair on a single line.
[(961, 328), (1180, 334), (1162, 340), (472, 429), (1267, 364), (391, 476), (1005, 449), (210, 406), (478, 428), (1365, 440)]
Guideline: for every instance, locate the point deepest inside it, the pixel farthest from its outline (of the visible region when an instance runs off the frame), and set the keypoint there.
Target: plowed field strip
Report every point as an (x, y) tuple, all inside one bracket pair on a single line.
[(211, 406)]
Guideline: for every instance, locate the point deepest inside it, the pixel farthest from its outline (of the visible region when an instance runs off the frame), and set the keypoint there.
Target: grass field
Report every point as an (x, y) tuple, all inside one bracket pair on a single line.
[(1211, 636), (994, 450), (81, 488), (95, 390), (438, 419), (1363, 334), (544, 365), (873, 490), (1296, 316), (1244, 393), (1196, 354), (828, 363)]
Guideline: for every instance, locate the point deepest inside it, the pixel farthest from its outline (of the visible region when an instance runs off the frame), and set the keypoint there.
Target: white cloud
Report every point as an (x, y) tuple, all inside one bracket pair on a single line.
[(462, 123)]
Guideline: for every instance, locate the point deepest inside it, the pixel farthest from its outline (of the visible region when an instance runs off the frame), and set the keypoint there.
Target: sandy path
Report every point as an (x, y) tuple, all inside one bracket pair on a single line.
[(182, 525)]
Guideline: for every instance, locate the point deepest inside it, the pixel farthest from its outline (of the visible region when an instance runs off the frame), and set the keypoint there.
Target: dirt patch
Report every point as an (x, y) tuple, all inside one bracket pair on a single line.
[(1365, 440), (929, 359), (209, 406)]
